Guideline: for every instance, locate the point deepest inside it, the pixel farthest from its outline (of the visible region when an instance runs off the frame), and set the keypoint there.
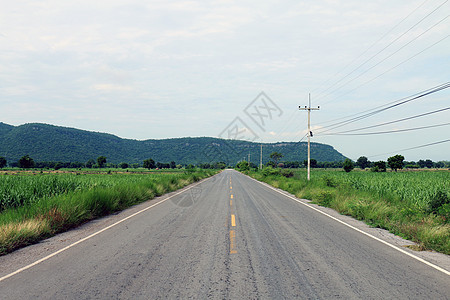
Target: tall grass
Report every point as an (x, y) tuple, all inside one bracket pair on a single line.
[(416, 189), (399, 202), (35, 207)]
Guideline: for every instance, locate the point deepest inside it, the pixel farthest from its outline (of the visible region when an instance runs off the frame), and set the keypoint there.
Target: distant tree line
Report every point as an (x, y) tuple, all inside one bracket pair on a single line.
[(26, 162), (395, 162)]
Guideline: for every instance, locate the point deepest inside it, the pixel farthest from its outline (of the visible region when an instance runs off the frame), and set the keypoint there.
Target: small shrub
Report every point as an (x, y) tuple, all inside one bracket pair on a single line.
[(437, 201), (287, 173), (444, 211), (270, 171), (329, 181), (324, 198)]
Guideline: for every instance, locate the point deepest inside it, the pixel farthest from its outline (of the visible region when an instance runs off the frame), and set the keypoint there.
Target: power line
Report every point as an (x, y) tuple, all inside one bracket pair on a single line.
[(391, 105), (365, 111), (395, 121), (417, 147), (390, 131)]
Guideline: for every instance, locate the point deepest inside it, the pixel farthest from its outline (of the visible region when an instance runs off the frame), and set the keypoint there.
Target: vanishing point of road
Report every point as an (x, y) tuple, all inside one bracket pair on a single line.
[(228, 237)]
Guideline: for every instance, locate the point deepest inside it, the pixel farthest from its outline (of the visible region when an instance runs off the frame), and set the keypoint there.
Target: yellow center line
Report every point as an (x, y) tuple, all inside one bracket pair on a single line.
[(232, 241), (233, 224)]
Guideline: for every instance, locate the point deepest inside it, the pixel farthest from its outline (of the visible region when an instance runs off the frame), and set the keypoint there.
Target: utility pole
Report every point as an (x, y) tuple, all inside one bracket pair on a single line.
[(260, 160), (309, 108), (249, 157)]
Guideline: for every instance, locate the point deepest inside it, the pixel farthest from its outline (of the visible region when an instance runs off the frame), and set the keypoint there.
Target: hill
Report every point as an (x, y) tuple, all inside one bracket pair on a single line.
[(45, 142)]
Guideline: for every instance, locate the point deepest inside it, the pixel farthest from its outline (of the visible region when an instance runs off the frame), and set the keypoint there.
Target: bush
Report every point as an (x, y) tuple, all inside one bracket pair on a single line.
[(444, 211), (324, 198), (411, 166), (287, 173), (329, 181), (270, 171), (243, 166), (437, 201)]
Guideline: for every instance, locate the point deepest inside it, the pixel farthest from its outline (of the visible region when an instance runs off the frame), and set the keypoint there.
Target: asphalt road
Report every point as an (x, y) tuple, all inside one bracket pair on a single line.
[(229, 237)]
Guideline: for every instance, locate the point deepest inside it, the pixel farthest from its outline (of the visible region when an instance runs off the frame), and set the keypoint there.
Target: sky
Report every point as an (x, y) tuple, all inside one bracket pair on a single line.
[(232, 69)]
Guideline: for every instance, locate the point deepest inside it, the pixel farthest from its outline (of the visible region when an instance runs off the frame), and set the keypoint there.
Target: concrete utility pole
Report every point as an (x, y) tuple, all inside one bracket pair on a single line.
[(260, 159), (309, 108), (248, 157)]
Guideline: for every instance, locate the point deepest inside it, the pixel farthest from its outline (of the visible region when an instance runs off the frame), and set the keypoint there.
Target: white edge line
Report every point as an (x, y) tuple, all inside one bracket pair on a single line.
[(95, 233), (357, 229)]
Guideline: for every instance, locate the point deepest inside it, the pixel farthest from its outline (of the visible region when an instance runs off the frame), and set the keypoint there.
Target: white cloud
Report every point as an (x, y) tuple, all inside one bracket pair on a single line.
[(107, 87)]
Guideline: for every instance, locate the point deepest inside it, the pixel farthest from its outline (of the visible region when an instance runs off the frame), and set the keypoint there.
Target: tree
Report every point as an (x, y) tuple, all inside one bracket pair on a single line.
[(243, 166), (425, 163), (173, 165), (396, 162), (123, 165), (149, 164), (379, 166), (275, 156), (75, 165), (439, 164), (348, 165), (101, 161), (219, 165), (26, 162), (161, 165), (270, 164), (429, 163), (312, 163), (2, 162), (363, 162), (90, 163), (421, 163)]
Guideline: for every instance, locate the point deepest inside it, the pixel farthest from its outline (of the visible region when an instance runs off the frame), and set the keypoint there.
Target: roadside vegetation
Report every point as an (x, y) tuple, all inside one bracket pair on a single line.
[(412, 204), (35, 205)]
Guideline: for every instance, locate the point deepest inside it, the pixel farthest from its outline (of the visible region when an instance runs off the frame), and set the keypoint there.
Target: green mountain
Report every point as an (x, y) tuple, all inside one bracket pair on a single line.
[(45, 142)]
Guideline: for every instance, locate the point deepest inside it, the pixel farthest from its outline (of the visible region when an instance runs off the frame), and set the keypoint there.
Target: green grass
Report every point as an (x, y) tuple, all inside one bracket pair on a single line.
[(34, 207), (401, 202)]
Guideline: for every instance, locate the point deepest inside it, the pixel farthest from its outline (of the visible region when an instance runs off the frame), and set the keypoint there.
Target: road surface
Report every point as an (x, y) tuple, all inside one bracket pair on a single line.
[(228, 237)]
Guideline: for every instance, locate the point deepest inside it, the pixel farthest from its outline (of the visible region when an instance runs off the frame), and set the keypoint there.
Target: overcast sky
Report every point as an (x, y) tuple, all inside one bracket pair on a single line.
[(163, 69)]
